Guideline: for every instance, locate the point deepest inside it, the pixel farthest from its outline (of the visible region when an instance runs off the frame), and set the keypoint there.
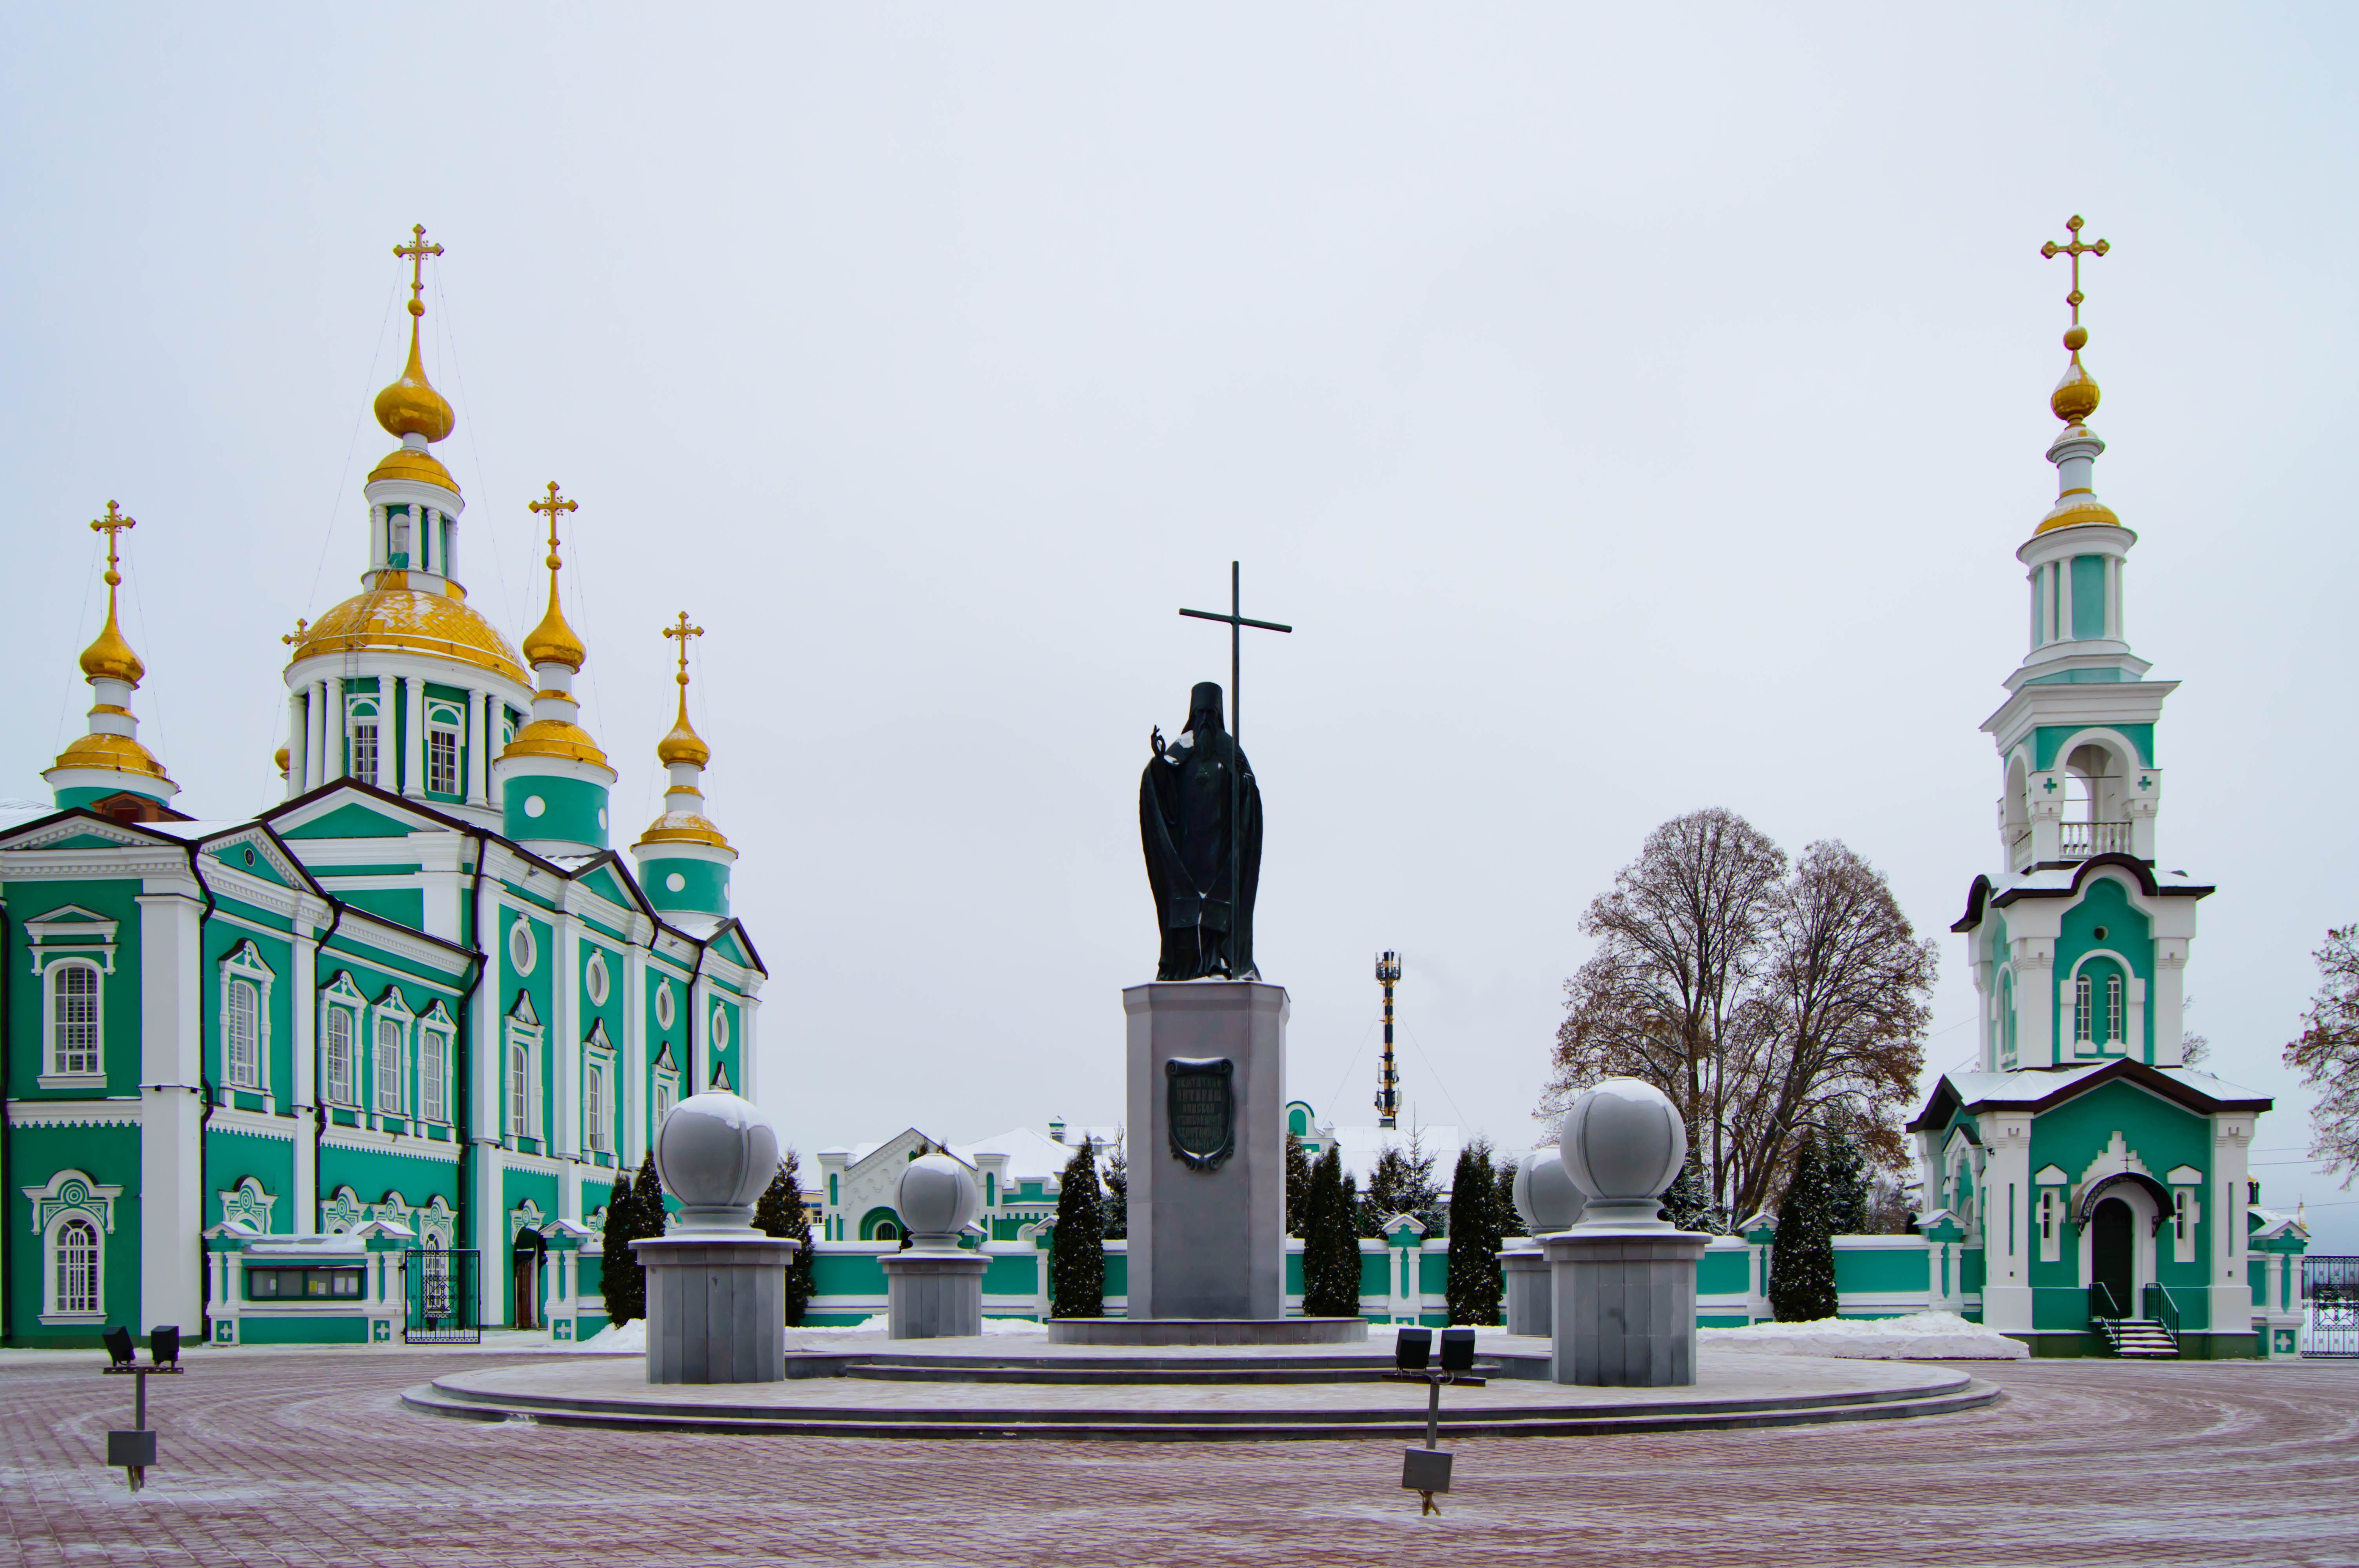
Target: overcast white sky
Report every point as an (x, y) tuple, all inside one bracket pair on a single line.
[(1632, 410)]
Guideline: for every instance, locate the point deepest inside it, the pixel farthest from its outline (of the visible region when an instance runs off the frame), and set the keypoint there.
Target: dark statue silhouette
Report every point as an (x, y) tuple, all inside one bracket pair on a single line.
[(1195, 850)]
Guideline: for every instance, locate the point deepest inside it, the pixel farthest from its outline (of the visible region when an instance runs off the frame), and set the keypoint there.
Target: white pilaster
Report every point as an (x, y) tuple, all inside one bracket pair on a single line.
[(2009, 1222), (171, 1274), (2170, 1002), (2035, 1002), (2231, 1291), (413, 736), (303, 1006), (633, 1144), (295, 744), (565, 1037), (315, 709), (486, 1219), (479, 748), (331, 729)]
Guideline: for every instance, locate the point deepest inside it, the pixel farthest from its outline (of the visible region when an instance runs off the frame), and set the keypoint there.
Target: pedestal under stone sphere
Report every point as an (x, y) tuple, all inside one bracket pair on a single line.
[(936, 1199), (1545, 1196), (1623, 1145), (715, 1152)]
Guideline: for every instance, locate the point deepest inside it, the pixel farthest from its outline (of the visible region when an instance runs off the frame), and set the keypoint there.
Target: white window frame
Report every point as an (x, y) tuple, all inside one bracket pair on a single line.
[(666, 1010), (69, 1197), (2116, 1011), (2084, 1011), (56, 1075), (665, 1094), (442, 724), (54, 1304), (435, 1036), (244, 966), (521, 1035), (363, 730), (391, 1035), (717, 1031), (595, 982), (524, 948), (342, 997), (598, 1070)]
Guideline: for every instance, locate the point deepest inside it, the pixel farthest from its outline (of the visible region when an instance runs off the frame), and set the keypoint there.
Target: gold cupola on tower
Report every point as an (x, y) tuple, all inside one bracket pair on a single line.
[(684, 755), (109, 760), (2075, 398), (411, 407), (555, 656)]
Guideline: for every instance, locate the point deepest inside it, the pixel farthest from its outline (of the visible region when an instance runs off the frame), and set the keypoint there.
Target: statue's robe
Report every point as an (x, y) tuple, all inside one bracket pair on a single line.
[(1185, 829)]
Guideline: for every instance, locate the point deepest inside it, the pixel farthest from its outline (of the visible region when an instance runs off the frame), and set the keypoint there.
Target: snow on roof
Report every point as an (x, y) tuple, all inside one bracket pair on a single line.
[(1032, 1155), (2040, 1083)]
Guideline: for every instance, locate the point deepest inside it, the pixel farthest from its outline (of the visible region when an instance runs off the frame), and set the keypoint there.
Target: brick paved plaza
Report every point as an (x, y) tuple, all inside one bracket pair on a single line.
[(308, 1458)]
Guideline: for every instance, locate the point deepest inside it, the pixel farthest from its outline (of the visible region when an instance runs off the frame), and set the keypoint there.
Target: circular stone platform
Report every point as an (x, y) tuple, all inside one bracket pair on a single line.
[(1162, 1331), (959, 1388)]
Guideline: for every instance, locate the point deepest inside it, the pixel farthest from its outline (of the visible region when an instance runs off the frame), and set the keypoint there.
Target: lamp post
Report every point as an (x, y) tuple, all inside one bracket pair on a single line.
[(1388, 973)]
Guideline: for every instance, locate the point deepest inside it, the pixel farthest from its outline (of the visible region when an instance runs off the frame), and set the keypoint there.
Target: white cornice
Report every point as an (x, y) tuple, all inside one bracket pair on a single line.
[(2098, 703), (374, 1142), (254, 1123), (74, 1112)]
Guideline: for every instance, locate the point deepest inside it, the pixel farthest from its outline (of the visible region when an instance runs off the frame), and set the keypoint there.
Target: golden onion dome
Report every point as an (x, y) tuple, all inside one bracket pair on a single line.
[(682, 743), (393, 615), (280, 758), (683, 827), (411, 406), (553, 642), (421, 467), (110, 657), (2075, 397), (2077, 510), (114, 754), (555, 738)]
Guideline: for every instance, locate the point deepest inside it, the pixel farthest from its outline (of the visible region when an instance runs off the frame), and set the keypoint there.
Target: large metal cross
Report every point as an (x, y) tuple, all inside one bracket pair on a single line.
[(415, 253), (2076, 250), (552, 507), (1237, 622)]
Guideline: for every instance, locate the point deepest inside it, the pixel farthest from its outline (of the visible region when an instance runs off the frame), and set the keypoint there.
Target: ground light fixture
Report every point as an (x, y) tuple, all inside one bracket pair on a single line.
[(1426, 1470), (133, 1451)]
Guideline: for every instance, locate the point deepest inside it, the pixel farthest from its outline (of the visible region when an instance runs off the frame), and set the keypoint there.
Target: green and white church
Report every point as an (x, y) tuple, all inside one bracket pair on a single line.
[(2088, 1187), (421, 1011)]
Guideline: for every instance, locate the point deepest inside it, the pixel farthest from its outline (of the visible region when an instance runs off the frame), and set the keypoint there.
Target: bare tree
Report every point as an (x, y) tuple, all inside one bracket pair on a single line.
[(1763, 1003), (1835, 1034), (1677, 938), (2328, 1054)]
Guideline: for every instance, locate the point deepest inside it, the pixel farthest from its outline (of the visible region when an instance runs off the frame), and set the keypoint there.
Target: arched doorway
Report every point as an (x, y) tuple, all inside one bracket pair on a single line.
[(529, 1253), (2112, 1258)]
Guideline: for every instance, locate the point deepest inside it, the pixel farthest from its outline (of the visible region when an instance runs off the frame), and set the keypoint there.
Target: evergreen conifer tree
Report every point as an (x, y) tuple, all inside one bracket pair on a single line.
[(1504, 1221), (1849, 1186), (780, 1213), (637, 1214), (1686, 1202), (1117, 1190), (1330, 1243), (1076, 1250), (1403, 1182), (1297, 1186), (1474, 1284), (1803, 1258), (625, 1291)]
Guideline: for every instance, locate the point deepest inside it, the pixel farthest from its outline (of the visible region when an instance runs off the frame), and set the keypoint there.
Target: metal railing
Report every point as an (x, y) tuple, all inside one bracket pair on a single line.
[(2079, 840), (440, 1286), (2330, 1299), (2103, 1305), (2162, 1309)]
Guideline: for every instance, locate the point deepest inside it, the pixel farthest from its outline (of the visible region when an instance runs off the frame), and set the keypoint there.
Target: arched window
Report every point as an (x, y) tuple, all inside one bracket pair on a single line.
[(593, 1107), (242, 1034), (2082, 1009), (74, 1021), (519, 1089), (388, 1066), (2115, 1034), (434, 1075), (343, 1075), (364, 741), (76, 1264)]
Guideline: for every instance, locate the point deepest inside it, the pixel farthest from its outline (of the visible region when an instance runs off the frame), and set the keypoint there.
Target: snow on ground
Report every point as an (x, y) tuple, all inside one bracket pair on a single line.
[(1917, 1337), (629, 1339)]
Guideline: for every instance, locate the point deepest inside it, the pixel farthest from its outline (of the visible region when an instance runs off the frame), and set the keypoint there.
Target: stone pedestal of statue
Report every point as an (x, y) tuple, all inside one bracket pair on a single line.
[(934, 1294), (1206, 1116), (1623, 1304), (1526, 1267), (716, 1307)]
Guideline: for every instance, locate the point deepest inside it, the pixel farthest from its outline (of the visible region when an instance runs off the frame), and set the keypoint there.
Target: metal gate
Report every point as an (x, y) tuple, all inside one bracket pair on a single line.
[(442, 1296), (2329, 1306)]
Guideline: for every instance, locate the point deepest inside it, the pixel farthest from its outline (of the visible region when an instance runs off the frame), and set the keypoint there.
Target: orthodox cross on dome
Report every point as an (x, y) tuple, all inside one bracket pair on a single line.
[(683, 631), (552, 505), (415, 253), (2076, 250), (291, 638), (111, 524)]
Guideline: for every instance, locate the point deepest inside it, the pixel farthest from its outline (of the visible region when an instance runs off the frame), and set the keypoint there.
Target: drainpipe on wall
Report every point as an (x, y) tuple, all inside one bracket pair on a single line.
[(462, 1099), (205, 1120)]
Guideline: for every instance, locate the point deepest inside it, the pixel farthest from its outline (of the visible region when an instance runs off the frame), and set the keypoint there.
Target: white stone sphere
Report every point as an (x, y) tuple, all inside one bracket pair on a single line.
[(936, 1199), (1545, 1196), (1622, 1143), (716, 1153)]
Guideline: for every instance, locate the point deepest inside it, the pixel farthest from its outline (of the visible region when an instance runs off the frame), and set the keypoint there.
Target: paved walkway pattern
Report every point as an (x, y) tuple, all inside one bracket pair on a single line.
[(309, 1458)]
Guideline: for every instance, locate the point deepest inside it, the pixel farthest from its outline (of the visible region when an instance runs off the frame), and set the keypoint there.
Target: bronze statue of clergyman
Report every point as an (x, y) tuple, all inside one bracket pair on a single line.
[(1203, 853)]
